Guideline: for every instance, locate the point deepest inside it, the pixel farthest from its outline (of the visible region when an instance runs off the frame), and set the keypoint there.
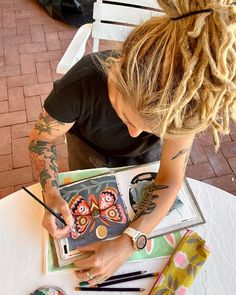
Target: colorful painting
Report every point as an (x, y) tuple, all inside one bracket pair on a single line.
[(98, 209)]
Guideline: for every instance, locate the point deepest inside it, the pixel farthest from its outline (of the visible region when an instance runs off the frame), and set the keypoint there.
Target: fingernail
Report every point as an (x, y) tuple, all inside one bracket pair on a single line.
[(83, 284)]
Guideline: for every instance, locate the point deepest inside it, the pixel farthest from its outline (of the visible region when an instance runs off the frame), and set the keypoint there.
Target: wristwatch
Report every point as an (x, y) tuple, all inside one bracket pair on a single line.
[(139, 239)]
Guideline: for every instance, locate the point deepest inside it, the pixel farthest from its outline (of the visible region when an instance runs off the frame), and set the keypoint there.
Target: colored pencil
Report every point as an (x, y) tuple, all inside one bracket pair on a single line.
[(49, 209), (116, 277), (123, 280), (128, 274), (109, 289)]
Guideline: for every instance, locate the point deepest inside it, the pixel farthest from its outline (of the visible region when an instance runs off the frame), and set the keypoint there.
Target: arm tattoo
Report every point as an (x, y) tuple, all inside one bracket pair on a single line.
[(180, 153), (147, 205), (46, 123), (39, 152)]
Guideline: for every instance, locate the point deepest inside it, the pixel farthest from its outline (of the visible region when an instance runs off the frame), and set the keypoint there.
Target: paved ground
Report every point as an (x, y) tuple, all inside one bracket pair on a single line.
[(31, 44)]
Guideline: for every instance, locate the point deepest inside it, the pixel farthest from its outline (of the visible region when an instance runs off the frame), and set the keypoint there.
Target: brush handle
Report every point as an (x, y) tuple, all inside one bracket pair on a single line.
[(45, 206)]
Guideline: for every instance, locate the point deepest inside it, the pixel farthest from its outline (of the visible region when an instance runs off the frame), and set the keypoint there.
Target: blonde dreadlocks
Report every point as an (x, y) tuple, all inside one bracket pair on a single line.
[(178, 70)]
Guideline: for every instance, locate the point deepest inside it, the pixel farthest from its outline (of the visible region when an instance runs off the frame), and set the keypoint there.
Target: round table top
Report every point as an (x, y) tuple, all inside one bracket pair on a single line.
[(21, 246)]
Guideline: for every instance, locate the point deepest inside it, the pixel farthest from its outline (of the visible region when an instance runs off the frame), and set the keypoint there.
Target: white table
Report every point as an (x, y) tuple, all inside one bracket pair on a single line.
[(21, 246)]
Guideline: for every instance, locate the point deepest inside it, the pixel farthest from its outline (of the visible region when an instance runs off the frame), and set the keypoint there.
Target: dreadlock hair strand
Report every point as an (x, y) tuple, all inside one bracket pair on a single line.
[(180, 74)]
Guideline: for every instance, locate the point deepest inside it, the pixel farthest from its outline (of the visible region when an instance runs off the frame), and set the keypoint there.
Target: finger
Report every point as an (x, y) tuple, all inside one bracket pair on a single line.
[(66, 214), (62, 232), (88, 275), (49, 222), (86, 263), (82, 276), (97, 280)]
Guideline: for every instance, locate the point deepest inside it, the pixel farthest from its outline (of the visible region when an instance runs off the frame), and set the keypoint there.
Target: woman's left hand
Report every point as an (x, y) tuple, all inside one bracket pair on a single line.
[(106, 257)]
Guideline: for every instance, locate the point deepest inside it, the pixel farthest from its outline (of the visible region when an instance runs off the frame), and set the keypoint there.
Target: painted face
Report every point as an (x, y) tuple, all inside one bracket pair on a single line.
[(124, 110)]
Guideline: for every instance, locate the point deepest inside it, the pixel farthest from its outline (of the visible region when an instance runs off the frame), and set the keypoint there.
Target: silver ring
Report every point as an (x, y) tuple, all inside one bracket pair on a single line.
[(89, 275)]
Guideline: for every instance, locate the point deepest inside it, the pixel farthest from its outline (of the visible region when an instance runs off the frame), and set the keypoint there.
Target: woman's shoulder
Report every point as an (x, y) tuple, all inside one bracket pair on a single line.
[(87, 68)]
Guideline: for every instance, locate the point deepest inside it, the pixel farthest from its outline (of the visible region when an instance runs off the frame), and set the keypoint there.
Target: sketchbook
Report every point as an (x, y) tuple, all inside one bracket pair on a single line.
[(104, 205)]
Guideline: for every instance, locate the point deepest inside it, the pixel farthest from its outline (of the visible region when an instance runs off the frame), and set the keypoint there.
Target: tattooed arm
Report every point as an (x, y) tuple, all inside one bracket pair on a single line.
[(109, 255), (43, 156), (162, 193)]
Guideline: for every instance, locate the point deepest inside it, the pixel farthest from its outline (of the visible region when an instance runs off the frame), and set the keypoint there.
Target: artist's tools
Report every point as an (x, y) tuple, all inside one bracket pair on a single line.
[(50, 210), (125, 275), (109, 289), (116, 277), (123, 280)]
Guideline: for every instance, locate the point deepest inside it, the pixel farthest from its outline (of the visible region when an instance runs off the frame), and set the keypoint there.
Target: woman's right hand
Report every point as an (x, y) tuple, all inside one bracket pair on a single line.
[(56, 203)]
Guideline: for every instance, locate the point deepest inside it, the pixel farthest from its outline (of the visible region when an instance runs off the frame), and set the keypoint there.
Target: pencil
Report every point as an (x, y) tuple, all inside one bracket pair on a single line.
[(124, 275), (123, 280), (49, 209), (113, 278), (109, 289)]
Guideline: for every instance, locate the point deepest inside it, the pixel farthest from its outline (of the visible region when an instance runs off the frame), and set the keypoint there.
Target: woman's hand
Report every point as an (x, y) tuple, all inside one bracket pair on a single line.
[(56, 203), (106, 257)]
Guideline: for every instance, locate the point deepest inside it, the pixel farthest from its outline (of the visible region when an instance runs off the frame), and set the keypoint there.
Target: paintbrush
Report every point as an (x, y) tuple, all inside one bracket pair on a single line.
[(51, 211)]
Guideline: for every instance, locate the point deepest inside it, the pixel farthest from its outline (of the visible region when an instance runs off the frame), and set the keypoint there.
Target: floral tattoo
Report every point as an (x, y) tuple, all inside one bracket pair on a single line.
[(39, 151)]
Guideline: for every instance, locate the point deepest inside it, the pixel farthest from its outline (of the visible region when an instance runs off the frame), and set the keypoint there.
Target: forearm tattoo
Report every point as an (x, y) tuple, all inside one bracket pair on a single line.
[(44, 159), (46, 123), (147, 205), (180, 153)]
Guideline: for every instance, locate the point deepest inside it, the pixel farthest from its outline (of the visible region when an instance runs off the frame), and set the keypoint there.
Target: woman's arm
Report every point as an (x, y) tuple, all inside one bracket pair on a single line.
[(43, 156), (162, 194), (109, 255)]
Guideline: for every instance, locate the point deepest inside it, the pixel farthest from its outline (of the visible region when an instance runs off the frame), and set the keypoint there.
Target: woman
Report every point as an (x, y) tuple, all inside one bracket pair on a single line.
[(173, 77)]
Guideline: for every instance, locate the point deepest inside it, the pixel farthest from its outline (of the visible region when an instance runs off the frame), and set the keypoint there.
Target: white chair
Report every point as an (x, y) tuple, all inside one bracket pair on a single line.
[(114, 19)]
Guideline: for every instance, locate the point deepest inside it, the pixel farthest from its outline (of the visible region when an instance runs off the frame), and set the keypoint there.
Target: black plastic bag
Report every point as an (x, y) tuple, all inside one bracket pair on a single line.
[(74, 12)]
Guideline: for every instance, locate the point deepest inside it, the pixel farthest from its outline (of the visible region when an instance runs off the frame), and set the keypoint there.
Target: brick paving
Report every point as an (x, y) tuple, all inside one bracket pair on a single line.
[(31, 44)]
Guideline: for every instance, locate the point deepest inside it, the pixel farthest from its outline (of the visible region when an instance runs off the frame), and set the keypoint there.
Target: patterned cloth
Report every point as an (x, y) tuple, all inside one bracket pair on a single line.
[(183, 266)]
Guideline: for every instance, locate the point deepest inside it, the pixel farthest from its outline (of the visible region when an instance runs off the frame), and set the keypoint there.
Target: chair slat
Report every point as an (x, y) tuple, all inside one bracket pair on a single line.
[(144, 3), (112, 32), (122, 14), (121, 20)]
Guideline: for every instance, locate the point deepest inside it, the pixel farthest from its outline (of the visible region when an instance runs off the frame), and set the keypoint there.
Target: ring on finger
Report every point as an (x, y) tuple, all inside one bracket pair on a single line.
[(89, 275)]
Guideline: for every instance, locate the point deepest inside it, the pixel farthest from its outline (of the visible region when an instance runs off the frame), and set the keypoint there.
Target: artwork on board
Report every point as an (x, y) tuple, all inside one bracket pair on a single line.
[(103, 206)]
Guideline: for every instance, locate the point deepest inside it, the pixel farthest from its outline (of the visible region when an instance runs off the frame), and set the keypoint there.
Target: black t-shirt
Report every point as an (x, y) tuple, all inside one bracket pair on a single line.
[(82, 96)]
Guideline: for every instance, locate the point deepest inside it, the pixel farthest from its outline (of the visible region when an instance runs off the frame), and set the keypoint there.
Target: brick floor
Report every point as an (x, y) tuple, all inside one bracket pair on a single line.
[(31, 44), (30, 48)]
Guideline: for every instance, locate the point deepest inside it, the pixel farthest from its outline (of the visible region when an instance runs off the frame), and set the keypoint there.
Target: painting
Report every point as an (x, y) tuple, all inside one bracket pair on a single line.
[(98, 210)]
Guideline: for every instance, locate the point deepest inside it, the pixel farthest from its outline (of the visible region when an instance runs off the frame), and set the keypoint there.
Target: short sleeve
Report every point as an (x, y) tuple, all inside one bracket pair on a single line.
[(73, 96), (65, 105)]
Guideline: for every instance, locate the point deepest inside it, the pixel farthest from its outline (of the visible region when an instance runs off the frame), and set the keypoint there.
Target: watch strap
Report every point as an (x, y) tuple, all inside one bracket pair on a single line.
[(133, 233)]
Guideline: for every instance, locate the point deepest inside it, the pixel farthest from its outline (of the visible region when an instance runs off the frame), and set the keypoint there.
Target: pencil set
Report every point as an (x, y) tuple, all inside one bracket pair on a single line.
[(117, 280)]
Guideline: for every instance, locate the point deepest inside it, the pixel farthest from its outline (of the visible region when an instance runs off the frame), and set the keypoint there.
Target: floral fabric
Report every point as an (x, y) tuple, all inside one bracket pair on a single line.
[(182, 267)]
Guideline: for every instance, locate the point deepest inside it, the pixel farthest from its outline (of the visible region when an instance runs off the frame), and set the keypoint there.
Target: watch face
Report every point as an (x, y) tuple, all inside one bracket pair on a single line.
[(141, 242)]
